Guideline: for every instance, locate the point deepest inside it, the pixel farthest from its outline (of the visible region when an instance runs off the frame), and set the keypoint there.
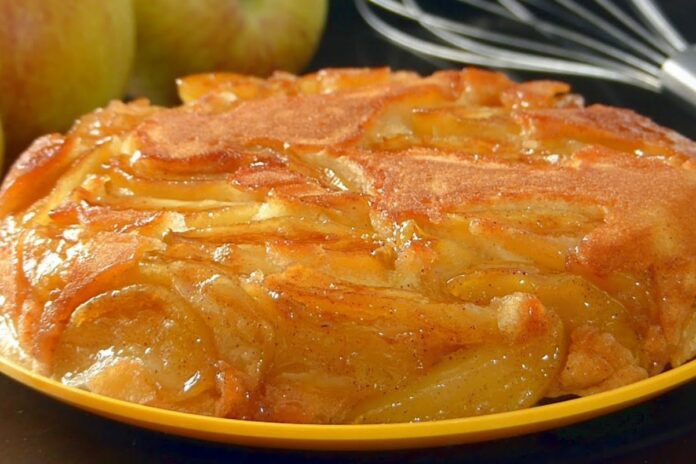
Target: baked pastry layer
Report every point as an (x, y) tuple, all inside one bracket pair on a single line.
[(355, 245)]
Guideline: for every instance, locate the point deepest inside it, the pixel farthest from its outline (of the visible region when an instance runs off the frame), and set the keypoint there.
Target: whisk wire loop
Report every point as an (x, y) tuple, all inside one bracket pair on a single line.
[(653, 15), (579, 39), (639, 47)]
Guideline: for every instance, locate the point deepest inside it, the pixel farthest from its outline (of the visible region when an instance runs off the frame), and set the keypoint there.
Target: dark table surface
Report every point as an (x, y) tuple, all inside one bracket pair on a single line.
[(36, 429)]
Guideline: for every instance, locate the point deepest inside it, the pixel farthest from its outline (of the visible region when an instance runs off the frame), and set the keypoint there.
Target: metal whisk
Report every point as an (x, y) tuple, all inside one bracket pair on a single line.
[(598, 39)]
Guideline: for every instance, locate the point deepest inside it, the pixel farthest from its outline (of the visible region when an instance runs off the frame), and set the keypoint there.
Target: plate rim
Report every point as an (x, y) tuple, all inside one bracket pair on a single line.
[(361, 436)]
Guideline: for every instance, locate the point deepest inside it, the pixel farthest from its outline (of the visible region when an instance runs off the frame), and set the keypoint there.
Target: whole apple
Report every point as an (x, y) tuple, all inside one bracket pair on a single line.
[(180, 37), (58, 60)]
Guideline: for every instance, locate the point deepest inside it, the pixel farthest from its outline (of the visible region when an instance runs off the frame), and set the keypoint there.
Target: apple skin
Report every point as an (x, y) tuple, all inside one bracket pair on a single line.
[(181, 37), (2, 152), (58, 60)]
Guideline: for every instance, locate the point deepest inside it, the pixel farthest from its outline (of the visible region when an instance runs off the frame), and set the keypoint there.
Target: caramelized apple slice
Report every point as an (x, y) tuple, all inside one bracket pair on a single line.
[(483, 379), (151, 334), (574, 299)]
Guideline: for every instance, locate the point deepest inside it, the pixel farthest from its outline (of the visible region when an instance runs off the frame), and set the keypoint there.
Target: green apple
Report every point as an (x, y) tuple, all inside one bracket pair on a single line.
[(180, 37), (58, 60)]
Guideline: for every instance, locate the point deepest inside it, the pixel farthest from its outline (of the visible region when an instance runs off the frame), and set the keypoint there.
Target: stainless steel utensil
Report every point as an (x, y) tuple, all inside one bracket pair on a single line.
[(635, 45)]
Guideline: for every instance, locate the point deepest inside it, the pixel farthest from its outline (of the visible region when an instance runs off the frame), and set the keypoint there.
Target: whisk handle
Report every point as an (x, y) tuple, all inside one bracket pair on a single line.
[(678, 76)]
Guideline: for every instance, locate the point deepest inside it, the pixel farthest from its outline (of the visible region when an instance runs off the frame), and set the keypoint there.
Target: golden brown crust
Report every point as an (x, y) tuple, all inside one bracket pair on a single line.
[(322, 241)]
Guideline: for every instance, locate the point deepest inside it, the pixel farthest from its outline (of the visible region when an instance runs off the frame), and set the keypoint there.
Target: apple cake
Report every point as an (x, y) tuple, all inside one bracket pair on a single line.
[(351, 246)]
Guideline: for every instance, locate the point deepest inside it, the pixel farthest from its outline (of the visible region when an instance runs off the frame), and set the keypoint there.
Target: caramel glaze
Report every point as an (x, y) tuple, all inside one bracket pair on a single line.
[(355, 245)]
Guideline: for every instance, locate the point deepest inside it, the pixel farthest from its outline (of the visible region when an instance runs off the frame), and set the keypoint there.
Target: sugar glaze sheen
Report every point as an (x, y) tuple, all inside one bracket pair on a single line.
[(351, 246)]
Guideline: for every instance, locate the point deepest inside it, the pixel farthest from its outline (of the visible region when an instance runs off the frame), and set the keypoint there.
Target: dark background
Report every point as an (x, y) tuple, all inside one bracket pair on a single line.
[(35, 429)]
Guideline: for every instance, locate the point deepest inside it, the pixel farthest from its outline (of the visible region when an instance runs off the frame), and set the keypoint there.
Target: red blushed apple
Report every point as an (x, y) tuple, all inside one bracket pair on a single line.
[(2, 151), (180, 37), (58, 60)]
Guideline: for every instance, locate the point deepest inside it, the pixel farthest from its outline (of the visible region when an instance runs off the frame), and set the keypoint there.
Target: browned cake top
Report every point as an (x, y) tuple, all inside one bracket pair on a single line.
[(347, 194)]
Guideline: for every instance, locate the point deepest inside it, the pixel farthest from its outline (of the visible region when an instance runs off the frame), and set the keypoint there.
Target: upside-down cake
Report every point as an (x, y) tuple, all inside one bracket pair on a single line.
[(351, 246)]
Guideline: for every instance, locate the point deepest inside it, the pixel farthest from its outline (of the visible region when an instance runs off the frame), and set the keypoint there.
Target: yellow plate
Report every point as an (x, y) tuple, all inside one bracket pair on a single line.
[(357, 437)]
